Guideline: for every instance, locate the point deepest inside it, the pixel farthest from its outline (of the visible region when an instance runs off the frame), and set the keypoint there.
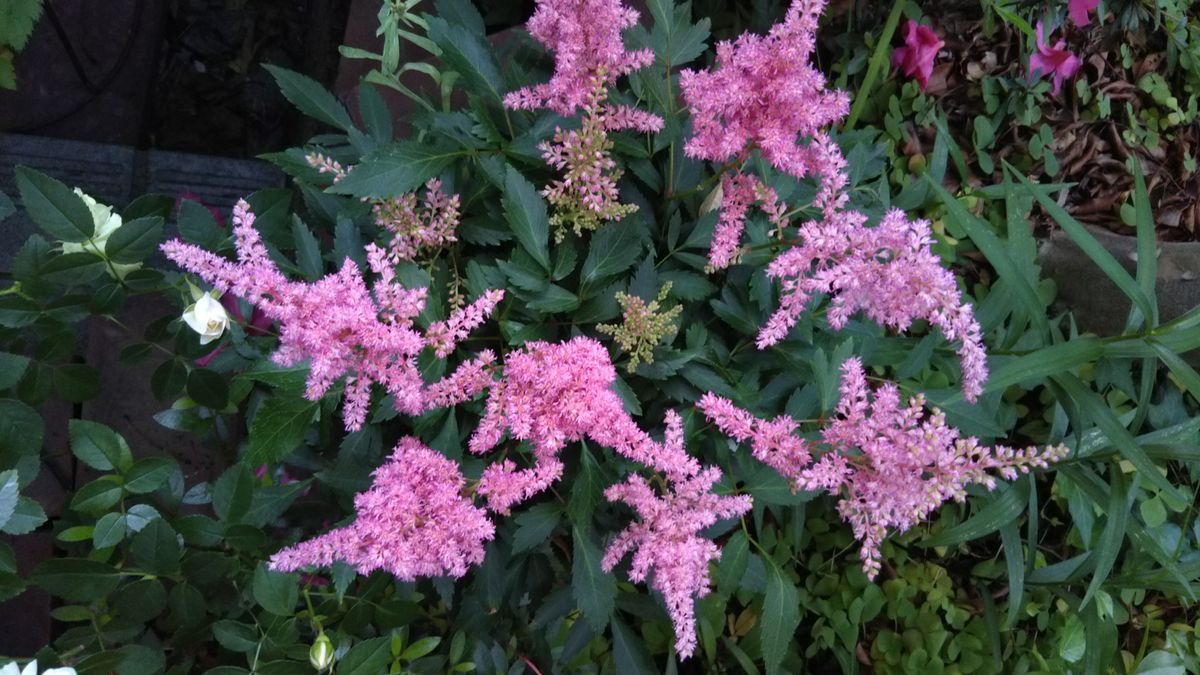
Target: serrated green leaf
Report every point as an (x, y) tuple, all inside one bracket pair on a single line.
[(780, 617), (276, 592), (135, 240), (311, 98), (147, 475), (397, 169), (534, 526), (594, 590), (27, 517), (233, 493), (368, 657), (76, 579), (156, 548), (308, 251), (10, 492), (278, 427), (109, 531), (468, 54), (54, 207), (526, 214), (98, 446), (612, 250)]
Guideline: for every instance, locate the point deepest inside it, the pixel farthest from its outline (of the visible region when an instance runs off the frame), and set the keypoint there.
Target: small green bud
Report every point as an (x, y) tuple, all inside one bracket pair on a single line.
[(320, 655)]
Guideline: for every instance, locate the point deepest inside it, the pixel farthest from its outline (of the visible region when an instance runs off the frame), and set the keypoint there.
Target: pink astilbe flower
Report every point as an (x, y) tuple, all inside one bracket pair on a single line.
[(890, 463), (413, 522), (414, 228), (1057, 61), (586, 196), (666, 540), (888, 272), (554, 394), (764, 94), (740, 191), (585, 36), (772, 442), (1080, 9), (339, 326), (915, 59)]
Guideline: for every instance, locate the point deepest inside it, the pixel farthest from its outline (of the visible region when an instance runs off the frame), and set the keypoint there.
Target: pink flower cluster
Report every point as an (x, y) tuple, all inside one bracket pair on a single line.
[(341, 329), (585, 36), (553, 394), (412, 522), (765, 95), (415, 228), (666, 540), (888, 272), (890, 463)]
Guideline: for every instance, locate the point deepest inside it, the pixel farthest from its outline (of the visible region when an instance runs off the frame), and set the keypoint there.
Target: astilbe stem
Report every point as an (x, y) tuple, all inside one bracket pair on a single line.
[(890, 464), (413, 522), (341, 328), (666, 539), (764, 95)]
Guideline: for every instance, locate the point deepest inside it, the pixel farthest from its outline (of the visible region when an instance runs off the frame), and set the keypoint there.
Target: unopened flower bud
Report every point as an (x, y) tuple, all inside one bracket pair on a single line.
[(320, 654)]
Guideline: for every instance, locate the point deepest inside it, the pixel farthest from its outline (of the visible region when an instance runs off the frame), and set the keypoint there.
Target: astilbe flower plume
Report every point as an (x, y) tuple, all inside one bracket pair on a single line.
[(643, 326), (553, 394), (889, 272), (585, 36), (764, 94), (413, 522), (342, 329), (890, 463), (666, 539)]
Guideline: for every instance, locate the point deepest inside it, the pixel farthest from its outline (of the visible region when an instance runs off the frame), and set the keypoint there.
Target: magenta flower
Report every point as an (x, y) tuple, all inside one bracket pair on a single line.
[(1057, 60), (1079, 9), (412, 522), (915, 58)]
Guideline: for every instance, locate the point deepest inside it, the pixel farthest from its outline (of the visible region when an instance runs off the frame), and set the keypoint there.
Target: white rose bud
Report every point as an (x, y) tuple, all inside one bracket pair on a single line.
[(207, 317), (320, 655), (104, 223)]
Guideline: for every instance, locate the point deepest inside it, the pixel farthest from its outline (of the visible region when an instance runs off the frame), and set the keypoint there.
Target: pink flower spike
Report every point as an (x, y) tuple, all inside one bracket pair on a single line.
[(412, 522), (1079, 9), (666, 540), (585, 36), (915, 59), (1057, 60)]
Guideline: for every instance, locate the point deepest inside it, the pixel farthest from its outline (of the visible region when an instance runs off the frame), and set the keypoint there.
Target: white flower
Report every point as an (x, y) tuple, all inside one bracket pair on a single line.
[(208, 318), (104, 222), (31, 669)]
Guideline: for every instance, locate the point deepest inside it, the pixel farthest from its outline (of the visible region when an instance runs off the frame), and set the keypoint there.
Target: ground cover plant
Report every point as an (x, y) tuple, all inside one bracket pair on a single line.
[(622, 354)]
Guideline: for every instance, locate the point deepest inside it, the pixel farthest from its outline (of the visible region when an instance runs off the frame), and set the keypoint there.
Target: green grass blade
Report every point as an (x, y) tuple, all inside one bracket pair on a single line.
[(1120, 501), (1090, 246), (1094, 408), (997, 254)]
